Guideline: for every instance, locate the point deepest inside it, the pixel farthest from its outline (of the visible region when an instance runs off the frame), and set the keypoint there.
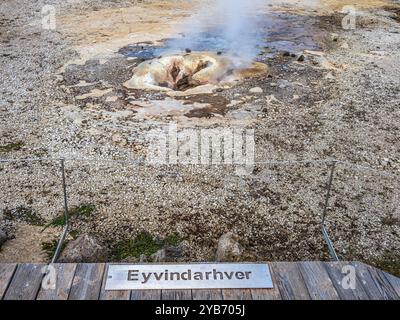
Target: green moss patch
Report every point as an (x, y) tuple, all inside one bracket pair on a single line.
[(389, 262), (23, 214), (143, 243), (390, 220), (13, 146), (84, 210), (172, 240), (49, 247)]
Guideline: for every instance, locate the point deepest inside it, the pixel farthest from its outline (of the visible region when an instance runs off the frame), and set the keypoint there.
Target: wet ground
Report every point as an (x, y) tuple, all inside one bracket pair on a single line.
[(282, 38), (276, 33)]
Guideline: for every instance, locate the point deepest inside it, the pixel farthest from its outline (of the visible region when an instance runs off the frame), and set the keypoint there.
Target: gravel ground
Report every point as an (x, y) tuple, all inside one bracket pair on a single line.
[(342, 102)]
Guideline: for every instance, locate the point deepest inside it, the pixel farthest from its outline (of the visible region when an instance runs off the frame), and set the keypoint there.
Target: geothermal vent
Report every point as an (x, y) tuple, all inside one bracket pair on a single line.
[(182, 72)]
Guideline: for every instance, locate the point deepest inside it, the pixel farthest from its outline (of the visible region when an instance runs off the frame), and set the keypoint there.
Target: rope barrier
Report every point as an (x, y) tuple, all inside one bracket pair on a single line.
[(332, 165), (144, 162)]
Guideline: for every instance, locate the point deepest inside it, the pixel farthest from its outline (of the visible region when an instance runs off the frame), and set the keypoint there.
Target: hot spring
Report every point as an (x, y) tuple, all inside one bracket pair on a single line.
[(180, 72)]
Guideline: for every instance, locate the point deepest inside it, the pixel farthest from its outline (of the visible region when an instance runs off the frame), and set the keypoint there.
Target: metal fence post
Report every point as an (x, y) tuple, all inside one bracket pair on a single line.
[(66, 215), (325, 234)]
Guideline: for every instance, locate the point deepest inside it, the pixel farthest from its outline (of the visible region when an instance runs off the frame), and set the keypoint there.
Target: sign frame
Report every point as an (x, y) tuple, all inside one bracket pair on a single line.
[(188, 276)]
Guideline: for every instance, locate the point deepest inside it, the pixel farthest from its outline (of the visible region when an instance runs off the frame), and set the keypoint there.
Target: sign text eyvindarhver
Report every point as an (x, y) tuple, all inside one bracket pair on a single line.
[(188, 276)]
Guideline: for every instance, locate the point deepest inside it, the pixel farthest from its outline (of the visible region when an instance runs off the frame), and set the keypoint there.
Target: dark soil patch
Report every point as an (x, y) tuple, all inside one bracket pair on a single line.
[(218, 105), (114, 72), (396, 11)]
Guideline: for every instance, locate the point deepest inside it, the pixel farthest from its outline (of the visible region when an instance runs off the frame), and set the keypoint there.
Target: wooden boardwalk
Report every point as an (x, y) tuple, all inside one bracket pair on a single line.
[(292, 281)]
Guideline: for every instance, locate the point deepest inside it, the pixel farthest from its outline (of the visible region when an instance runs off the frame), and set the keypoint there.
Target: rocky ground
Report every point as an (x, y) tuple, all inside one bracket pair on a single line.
[(330, 93)]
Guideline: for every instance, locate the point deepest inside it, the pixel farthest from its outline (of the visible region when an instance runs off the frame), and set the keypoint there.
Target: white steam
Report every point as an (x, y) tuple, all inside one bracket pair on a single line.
[(235, 22), (239, 25)]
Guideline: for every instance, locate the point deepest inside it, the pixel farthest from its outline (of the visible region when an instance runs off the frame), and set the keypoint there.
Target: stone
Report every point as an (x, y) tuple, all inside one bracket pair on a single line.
[(111, 99), (159, 256), (329, 76), (242, 114), (283, 83), (167, 254), (344, 45), (301, 58), (119, 139), (3, 237), (234, 103), (229, 249), (85, 249), (256, 90), (379, 53), (324, 63), (315, 53), (385, 162)]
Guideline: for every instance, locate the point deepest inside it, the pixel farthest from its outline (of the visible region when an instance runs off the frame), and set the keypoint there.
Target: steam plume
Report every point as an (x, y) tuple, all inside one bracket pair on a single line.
[(232, 25)]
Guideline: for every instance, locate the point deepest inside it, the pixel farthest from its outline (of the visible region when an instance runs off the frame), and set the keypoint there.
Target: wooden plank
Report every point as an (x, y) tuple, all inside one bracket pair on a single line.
[(334, 270), (383, 284), (87, 281), (112, 294), (268, 294), (236, 294), (6, 273), (290, 281), (176, 294), (64, 276), (146, 295), (207, 294), (25, 283), (394, 281), (374, 283), (318, 282)]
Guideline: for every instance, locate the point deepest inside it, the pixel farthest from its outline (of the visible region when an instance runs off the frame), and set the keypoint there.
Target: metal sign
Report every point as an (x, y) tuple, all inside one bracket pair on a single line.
[(188, 276)]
